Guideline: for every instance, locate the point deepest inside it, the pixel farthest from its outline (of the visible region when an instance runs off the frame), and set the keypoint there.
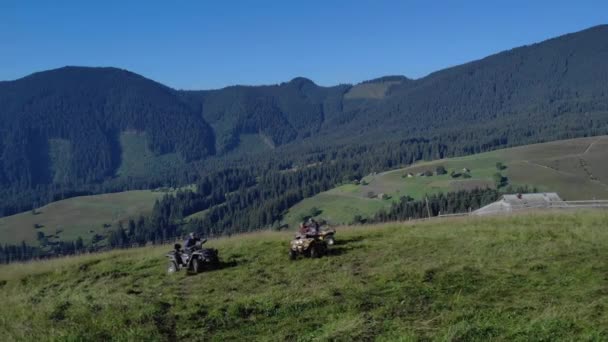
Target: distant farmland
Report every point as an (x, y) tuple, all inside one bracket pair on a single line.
[(577, 169), (79, 216), (86, 216)]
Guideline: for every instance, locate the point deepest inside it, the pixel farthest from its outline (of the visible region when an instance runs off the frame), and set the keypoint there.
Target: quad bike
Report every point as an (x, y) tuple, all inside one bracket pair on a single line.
[(195, 260), (307, 246), (328, 236)]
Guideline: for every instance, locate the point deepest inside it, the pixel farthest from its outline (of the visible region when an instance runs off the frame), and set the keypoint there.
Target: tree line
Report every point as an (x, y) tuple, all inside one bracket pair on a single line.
[(463, 201)]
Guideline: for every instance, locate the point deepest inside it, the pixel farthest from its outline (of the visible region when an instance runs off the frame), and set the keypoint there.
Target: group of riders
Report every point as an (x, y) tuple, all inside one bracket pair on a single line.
[(309, 228)]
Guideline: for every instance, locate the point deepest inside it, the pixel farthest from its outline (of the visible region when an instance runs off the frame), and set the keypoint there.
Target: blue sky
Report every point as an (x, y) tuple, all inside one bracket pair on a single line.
[(211, 44)]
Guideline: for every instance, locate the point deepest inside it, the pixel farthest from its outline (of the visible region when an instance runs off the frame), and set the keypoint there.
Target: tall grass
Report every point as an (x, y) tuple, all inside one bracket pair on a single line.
[(531, 277)]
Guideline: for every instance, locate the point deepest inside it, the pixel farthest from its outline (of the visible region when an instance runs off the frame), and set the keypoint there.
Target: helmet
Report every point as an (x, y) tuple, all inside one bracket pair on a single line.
[(191, 235)]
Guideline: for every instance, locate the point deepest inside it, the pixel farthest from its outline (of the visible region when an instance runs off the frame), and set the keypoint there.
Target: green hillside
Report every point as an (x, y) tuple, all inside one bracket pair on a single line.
[(83, 216), (374, 89), (138, 161), (576, 169), (534, 277), (61, 129), (251, 144)]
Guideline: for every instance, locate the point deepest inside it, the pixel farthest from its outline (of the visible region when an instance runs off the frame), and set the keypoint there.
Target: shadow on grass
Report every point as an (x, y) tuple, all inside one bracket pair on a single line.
[(221, 266), (335, 251), (342, 242), (331, 252)]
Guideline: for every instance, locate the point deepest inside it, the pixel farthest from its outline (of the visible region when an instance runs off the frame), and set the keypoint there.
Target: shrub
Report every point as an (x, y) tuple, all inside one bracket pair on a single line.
[(500, 166), (500, 180)]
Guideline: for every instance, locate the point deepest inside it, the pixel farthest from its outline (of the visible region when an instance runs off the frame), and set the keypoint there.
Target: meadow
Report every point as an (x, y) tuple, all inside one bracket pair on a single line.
[(532, 277), (87, 216), (82, 216), (576, 169), (138, 161)]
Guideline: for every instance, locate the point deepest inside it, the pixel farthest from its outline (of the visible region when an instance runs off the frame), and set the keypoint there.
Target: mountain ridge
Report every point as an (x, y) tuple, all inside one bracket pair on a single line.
[(595, 28), (550, 90)]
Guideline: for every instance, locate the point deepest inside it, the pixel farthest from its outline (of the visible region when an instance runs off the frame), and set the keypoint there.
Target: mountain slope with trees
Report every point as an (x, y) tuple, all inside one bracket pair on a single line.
[(88, 108), (68, 121)]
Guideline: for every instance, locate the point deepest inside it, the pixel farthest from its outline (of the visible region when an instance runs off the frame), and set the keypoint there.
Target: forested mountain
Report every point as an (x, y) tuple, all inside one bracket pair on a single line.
[(68, 121), (281, 114), (84, 109), (538, 86), (554, 89)]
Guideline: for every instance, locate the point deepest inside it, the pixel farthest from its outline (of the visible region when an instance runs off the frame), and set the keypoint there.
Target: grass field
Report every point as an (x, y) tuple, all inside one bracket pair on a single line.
[(376, 90), (79, 216), (335, 208), (536, 277), (138, 161), (251, 144), (576, 169), (60, 154), (85, 216)]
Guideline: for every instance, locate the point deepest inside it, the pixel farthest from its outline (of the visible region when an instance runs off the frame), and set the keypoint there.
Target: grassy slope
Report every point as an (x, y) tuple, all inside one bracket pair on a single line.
[(250, 144), (376, 90), (60, 154), (576, 169), (138, 161), (335, 206), (84, 216), (535, 277), (78, 216)]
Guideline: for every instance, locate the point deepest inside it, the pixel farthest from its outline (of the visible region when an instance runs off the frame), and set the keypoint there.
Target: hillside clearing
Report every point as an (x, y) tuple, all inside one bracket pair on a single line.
[(81, 216), (530, 277), (577, 169), (138, 161)]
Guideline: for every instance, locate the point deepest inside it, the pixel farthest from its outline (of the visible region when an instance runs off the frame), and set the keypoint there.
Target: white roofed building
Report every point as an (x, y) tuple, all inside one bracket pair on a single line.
[(509, 203)]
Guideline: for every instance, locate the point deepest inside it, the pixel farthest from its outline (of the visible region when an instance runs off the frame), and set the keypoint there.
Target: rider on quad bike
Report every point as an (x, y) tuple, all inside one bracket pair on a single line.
[(189, 245), (193, 257), (312, 229), (191, 241), (308, 241), (309, 228)]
